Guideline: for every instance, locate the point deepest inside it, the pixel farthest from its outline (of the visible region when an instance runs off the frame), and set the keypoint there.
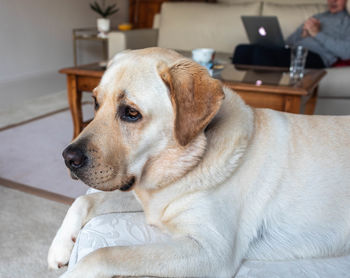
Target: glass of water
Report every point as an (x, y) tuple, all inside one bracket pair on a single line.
[(298, 56)]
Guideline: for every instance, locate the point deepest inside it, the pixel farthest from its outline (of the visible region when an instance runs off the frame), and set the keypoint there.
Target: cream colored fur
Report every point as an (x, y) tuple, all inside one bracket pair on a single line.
[(256, 184)]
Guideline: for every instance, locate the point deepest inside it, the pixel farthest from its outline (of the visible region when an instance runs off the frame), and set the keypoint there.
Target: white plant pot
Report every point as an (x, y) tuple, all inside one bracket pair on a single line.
[(103, 26)]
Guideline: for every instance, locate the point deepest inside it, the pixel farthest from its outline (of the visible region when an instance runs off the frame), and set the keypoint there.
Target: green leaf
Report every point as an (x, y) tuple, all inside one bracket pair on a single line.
[(109, 10)]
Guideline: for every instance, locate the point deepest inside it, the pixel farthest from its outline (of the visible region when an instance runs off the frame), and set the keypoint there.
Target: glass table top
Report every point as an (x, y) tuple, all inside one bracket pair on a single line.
[(230, 73), (258, 76), (227, 72)]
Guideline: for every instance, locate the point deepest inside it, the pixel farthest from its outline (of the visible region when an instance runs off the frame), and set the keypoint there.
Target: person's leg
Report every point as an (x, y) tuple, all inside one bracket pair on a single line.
[(251, 54), (243, 54), (314, 61), (271, 56), (261, 56)]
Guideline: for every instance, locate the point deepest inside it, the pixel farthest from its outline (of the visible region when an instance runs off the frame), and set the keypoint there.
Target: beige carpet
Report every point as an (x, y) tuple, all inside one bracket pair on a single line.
[(31, 154), (28, 224), (22, 112)]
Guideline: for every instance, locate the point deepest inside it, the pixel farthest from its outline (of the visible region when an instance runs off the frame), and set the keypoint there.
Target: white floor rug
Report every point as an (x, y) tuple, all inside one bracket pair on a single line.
[(30, 154), (35, 108), (28, 225)]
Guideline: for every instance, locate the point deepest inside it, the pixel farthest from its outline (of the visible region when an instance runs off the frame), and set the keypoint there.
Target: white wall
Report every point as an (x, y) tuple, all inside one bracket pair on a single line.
[(36, 35)]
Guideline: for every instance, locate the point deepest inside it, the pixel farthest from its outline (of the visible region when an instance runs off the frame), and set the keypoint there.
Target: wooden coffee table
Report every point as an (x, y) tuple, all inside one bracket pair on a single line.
[(260, 87), (263, 87)]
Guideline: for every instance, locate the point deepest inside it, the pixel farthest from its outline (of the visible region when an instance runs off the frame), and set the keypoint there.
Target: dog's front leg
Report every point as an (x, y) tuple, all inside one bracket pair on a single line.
[(82, 210), (179, 258)]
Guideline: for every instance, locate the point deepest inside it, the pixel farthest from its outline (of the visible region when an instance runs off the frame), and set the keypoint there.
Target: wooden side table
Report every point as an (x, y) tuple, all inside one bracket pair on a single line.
[(257, 86), (88, 34), (80, 79)]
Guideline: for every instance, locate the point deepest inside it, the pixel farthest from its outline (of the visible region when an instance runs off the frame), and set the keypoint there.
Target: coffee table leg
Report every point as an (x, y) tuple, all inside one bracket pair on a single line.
[(311, 103), (74, 99), (292, 104)]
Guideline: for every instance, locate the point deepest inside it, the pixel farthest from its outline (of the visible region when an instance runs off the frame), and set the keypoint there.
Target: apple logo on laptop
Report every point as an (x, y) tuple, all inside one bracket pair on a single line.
[(262, 31)]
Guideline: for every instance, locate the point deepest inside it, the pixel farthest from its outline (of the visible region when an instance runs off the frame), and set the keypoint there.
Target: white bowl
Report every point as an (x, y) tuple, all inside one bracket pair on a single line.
[(203, 55)]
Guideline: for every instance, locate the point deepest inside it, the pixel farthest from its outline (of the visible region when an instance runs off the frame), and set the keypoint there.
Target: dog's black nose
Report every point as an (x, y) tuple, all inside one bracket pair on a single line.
[(74, 157)]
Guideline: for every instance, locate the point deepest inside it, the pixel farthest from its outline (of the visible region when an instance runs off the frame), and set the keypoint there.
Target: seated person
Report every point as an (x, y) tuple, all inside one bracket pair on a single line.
[(325, 35)]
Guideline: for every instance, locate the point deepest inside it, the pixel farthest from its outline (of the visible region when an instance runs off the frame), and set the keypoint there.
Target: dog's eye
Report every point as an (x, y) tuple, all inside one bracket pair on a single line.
[(96, 105), (129, 114)]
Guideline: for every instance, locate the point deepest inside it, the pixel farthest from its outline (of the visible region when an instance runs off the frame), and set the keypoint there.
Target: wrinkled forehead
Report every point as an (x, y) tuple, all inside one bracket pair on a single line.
[(137, 79)]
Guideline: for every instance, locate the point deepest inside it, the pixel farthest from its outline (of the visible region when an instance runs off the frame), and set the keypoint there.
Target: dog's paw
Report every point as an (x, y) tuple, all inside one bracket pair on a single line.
[(60, 251)]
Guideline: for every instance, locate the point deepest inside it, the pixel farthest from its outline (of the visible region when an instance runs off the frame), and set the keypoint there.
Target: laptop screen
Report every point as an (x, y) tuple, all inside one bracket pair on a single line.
[(263, 30)]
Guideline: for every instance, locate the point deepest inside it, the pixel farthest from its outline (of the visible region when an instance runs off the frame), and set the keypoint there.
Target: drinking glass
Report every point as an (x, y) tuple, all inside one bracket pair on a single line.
[(298, 56)]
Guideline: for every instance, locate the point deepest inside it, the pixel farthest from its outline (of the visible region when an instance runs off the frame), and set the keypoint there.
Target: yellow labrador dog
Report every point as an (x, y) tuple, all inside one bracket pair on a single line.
[(227, 181)]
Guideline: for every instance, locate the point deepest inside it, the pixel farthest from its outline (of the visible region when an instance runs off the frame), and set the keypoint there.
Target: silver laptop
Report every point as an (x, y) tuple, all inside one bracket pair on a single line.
[(263, 30)]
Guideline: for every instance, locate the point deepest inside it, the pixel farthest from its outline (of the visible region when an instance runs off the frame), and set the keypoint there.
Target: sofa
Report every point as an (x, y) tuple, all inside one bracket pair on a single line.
[(185, 26), (128, 229)]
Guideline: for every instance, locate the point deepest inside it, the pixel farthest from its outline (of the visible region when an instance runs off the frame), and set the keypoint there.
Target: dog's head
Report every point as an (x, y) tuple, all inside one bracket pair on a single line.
[(152, 107)]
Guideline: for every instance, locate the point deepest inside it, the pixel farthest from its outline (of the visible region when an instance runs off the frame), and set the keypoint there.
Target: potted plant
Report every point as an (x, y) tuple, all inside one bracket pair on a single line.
[(103, 23)]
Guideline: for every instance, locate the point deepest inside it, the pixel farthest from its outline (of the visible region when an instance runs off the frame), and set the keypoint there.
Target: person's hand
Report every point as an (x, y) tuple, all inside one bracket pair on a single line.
[(304, 33), (312, 26)]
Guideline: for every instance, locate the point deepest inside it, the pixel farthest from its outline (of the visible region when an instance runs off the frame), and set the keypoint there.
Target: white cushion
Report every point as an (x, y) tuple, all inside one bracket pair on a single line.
[(186, 26), (123, 229), (156, 21), (292, 16), (116, 229), (335, 84), (332, 106)]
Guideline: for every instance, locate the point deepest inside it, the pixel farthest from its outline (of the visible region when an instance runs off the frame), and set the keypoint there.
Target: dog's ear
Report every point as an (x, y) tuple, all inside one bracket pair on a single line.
[(196, 97)]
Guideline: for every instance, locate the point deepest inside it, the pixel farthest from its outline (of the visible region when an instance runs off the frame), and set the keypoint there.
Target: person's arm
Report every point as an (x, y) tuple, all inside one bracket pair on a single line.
[(301, 32), (340, 47)]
